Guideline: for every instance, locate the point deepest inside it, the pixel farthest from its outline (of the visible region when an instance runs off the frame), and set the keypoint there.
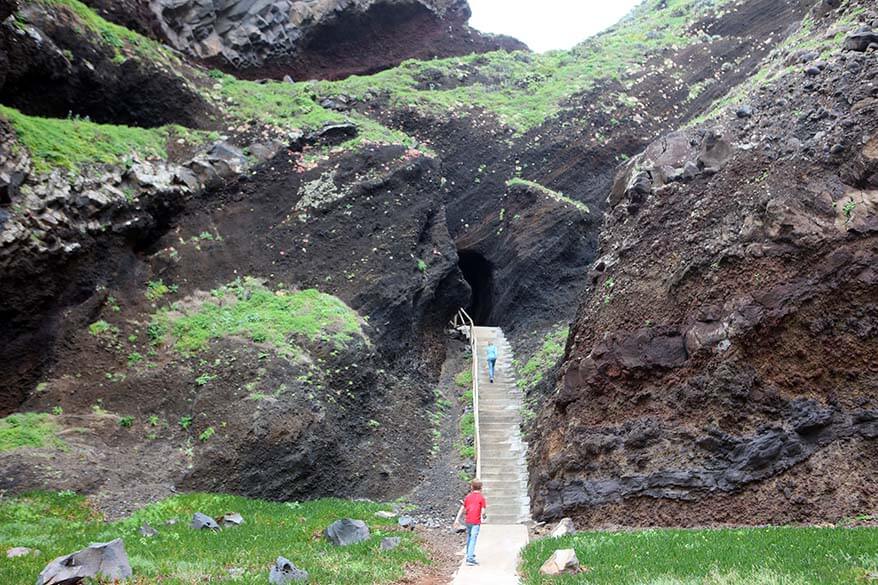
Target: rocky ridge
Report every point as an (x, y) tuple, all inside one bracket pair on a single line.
[(312, 38)]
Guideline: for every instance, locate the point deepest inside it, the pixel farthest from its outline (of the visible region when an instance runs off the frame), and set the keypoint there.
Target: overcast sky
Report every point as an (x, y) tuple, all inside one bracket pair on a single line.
[(548, 24)]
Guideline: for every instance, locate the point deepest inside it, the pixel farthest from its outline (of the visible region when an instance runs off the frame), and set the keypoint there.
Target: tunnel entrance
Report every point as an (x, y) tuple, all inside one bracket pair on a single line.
[(479, 273)]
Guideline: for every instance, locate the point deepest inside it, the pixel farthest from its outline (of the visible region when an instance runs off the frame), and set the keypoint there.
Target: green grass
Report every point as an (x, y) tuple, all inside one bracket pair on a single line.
[(122, 40), (290, 106), (156, 289), (524, 90), (62, 523), (28, 429), (548, 193), (544, 359), (72, 143), (466, 446), (746, 556), (464, 379), (247, 308), (99, 328)]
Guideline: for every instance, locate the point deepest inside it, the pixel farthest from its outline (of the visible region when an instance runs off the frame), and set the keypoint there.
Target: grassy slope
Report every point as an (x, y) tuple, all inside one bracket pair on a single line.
[(747, 556), (807, 38), (466, 448), (62, 523), (73, 143), (560, 197), (247, 308), (524, 90)]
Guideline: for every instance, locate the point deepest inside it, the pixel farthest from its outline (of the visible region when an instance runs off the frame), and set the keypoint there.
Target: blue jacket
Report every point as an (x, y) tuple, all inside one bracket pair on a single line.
[(492, 352)]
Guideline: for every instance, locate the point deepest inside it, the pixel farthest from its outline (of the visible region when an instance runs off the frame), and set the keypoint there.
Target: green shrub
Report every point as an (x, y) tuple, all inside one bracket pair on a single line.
[(99, 328), (126, 421), (156, 289), (544, 359), (464, 379)]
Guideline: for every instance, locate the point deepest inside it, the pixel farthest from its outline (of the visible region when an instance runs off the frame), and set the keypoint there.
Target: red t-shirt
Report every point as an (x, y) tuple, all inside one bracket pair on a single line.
[(473, 505)]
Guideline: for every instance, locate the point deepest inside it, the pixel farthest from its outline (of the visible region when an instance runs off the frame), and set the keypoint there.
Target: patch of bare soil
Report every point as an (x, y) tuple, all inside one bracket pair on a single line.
[(444, 549)]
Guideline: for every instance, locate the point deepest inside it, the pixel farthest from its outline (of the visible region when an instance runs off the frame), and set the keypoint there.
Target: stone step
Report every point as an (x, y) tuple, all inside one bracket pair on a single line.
[(502, 450)]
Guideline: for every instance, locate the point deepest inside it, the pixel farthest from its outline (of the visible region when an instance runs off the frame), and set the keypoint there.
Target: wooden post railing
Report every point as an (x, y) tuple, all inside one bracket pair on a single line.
[(462, 319)]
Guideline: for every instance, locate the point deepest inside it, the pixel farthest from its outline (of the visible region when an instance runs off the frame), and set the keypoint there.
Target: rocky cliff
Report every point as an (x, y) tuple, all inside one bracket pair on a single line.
[(306, 39), (723, 355), (152, 242)]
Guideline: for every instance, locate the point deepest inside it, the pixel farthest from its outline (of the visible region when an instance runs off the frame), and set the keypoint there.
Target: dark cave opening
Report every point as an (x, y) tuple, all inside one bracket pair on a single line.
[(479, 274)]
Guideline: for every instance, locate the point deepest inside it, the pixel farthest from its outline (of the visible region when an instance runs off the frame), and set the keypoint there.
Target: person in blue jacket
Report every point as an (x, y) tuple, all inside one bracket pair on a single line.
[(492, 361)]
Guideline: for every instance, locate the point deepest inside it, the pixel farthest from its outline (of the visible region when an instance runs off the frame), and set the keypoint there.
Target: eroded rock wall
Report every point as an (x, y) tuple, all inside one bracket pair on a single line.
[(723, 356), (306, 39)]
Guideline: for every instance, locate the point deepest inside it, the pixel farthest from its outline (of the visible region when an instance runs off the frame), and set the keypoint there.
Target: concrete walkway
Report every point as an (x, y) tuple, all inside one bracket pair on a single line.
[(497, 552), (503, 469)]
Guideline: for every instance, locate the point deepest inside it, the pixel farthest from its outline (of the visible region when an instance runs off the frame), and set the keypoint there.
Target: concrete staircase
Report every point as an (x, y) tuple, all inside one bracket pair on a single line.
[(503, 465)]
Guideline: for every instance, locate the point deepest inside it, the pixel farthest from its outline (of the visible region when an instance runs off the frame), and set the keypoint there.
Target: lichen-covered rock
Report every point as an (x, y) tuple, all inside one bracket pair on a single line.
[(203, 522), (564, 528)]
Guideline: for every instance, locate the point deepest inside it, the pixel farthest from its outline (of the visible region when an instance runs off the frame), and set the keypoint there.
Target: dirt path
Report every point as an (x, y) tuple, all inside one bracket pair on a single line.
[(445, 551)]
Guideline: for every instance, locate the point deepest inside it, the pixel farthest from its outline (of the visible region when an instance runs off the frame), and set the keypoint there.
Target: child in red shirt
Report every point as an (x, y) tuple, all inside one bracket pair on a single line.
[(474, 506)]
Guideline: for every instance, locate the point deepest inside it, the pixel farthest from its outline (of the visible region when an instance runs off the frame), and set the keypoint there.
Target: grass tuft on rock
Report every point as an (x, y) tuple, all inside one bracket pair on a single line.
[(739, 556), (543, 190), (283, 318), (28, 429), (61, 523)]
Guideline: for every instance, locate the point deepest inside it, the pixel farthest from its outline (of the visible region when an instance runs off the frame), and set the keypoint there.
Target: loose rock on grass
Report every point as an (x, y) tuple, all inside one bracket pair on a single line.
[(565, 527), (562, 562), (346, 532), (284, 572), (21, 551), (203, 522), (108, 560), (231, 519)]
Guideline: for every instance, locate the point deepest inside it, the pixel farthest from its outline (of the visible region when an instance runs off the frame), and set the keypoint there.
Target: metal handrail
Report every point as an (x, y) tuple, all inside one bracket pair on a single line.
[(463, 318)]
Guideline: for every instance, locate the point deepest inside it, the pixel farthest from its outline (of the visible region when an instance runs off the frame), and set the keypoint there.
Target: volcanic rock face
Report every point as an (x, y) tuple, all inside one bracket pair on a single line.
[(52, 65), (723, 357), (309, 38)]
